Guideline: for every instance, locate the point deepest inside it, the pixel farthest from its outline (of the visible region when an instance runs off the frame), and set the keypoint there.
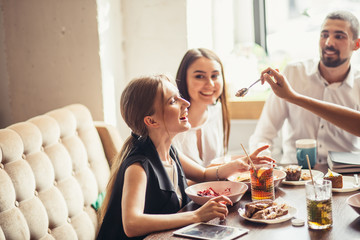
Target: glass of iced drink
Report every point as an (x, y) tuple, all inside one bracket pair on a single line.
[(262, 182), (319, 204)]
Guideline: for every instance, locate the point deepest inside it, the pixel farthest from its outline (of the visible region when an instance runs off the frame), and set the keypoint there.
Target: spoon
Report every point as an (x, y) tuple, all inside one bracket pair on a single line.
[(249, 159), (242, 92), (312, 179)]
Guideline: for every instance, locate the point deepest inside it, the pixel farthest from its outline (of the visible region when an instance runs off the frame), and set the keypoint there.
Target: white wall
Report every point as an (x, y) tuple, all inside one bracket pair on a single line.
[(49, 58), (111, 38), (51, 51), (5, 117), (155, 36), (155, 39), (135, 37), (148, 36), (240, 132)]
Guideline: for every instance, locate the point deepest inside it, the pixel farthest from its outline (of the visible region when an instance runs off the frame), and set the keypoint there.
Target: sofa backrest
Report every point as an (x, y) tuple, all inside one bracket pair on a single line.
[(52, 168)]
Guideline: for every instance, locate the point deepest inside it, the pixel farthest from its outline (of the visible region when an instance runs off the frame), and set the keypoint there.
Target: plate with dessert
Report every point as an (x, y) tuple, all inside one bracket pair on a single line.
[(297, 176), (341, 183), (267, 211)]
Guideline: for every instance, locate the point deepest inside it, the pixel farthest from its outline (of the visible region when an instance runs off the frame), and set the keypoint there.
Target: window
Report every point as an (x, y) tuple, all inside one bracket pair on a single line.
[(293, 26)]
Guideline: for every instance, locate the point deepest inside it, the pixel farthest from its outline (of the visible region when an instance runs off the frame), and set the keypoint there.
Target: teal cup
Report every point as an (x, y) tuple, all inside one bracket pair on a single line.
[(306, 147)]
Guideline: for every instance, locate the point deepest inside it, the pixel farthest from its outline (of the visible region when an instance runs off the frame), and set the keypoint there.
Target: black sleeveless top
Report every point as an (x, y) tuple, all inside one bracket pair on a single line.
[(160, 195)]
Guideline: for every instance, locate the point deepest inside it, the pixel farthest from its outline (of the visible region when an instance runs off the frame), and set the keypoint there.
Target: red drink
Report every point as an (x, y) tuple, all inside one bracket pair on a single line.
[(262, 182)]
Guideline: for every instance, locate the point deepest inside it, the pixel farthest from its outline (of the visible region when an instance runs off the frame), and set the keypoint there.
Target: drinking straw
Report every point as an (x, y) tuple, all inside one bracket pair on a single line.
[(249, 159), (308, 162), (312, 179)]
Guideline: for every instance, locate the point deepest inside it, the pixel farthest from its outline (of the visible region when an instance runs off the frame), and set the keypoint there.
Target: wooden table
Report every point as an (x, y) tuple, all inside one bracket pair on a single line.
[(346, 222)]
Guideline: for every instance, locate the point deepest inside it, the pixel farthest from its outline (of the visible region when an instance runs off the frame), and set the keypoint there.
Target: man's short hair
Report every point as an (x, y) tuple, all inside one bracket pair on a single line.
[(346, 16)]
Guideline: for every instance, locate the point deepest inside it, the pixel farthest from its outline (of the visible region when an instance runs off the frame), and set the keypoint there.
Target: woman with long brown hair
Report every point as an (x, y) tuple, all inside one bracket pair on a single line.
[(147, 182), (201, 81)]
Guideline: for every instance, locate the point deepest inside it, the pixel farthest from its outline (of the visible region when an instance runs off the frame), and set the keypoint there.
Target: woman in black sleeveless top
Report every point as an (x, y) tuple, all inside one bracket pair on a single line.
[(147, 182)]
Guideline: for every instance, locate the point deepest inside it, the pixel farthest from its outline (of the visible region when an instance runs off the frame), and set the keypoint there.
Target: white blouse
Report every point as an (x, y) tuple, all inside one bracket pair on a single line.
[(171, 170), (212, 138)]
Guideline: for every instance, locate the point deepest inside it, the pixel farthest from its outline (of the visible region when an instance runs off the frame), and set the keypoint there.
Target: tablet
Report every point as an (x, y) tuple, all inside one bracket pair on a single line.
[(210, 231)]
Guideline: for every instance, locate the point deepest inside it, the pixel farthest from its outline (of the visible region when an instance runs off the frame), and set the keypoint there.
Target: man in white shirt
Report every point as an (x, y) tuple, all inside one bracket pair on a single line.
[(330, 79)]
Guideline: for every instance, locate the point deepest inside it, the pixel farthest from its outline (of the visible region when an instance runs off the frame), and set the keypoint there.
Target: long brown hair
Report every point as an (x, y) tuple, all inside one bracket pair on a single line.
[(191, 56), (137, 101)]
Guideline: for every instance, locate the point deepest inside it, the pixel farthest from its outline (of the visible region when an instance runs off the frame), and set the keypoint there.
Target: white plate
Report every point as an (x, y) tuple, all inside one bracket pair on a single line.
[(316, 174), (348, 185), (291, 213)]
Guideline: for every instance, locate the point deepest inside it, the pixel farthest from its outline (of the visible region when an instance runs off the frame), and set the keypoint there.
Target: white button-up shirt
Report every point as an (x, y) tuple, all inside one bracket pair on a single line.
[(297, 123)]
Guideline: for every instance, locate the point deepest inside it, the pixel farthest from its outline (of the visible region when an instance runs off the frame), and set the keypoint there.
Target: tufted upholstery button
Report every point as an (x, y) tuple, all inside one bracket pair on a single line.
[(89, 165), (47, 157), (76, 133), (84, 208)]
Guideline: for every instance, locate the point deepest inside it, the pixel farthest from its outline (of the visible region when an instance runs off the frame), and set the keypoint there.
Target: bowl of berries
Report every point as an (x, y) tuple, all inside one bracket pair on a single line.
[(202, 192)]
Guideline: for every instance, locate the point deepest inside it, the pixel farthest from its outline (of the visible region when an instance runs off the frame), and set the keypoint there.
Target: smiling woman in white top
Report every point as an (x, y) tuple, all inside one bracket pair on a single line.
[(200, 80)]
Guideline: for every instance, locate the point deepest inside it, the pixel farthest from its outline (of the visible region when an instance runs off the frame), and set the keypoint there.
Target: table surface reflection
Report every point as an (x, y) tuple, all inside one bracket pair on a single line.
[(346, 222)]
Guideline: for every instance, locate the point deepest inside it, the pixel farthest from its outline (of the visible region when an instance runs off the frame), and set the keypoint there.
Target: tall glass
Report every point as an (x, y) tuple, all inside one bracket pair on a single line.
[(262, 182), (319, 204)]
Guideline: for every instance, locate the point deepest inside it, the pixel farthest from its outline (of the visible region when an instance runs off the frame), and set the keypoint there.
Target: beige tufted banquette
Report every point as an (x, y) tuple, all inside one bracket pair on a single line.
[(52, 168)]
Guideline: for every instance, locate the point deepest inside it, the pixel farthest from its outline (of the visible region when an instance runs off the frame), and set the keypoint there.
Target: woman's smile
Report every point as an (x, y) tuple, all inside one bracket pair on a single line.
[(204, 80)]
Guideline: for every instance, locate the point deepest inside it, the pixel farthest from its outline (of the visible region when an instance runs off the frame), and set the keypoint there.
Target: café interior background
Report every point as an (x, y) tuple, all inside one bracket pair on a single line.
[(55, 53)]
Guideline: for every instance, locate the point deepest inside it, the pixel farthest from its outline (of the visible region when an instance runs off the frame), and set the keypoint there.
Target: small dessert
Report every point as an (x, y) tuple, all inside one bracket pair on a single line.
[(305, 176), (265, 209), (293, 172), (253, 207), (335, 178)]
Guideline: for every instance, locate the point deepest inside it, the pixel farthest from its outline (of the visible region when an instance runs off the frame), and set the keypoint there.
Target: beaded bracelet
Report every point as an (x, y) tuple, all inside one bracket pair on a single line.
[(217, 173)]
